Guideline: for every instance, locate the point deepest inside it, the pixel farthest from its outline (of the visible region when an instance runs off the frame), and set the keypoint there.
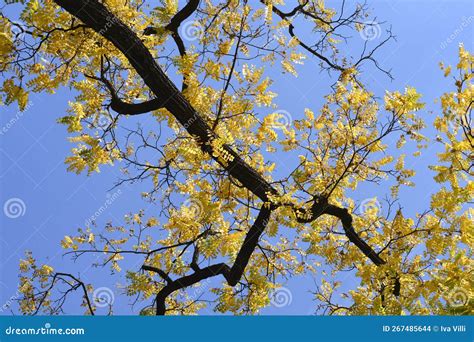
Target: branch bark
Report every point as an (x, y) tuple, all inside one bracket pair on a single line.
[(173, 26), (95, 15), (123, 107), (231, 274), (100, 19), (178, 19)]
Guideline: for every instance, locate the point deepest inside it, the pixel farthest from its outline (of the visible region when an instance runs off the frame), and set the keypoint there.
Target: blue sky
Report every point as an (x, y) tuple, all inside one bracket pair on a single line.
[(33, 147)]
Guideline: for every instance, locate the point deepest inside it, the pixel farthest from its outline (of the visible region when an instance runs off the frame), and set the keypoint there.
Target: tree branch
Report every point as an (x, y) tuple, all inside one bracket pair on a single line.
[(346, 220), (157, 270), (173, 26), (291, 31), (231, 274), (98, 17), (123, 107), (182, 15), (320, 207), (178, 19)]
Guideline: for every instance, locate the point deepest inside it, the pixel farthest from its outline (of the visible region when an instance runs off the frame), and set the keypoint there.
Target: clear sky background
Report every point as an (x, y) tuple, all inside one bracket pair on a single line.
[(33, 148)]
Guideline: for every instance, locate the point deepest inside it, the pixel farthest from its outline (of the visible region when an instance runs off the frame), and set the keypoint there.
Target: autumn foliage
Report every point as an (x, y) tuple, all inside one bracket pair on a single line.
[(212, 221)]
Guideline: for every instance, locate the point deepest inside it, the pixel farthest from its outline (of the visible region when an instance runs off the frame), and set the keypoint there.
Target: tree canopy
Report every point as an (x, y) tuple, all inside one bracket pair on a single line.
[(202, 70)]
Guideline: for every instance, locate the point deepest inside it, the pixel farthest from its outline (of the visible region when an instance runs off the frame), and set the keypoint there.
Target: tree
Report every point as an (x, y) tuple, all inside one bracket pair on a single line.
[(222, 211)]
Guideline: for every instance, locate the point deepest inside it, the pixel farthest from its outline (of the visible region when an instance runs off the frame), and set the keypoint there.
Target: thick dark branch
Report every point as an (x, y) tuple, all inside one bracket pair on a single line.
[(173, 26), (182, 15), (158, 271), (320, 207), (346, 220), (295, 10), (186, 281), (250, 242), (83, 287), (182, 52), (99, 18), (231, 274), (178, 19), (123, 107), (179, 43)]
